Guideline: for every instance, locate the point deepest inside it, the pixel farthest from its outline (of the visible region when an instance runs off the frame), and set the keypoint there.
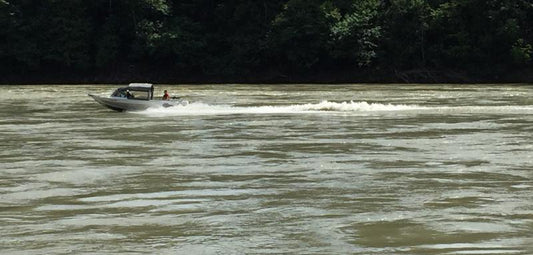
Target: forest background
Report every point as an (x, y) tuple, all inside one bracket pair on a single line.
[(265, 41)]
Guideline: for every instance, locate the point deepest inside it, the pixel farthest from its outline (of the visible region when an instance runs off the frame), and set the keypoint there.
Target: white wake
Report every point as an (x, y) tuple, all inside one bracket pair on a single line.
[(199, 108)]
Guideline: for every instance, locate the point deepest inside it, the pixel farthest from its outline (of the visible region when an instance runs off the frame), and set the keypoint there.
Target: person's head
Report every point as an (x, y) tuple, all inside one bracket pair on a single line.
[(165, 91)]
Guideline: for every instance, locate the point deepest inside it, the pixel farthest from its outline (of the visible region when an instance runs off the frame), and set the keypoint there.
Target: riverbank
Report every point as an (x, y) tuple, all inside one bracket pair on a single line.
[(127, 75)]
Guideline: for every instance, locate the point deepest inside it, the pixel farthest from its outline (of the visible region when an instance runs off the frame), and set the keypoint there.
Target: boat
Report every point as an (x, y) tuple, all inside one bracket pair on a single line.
[(136, 97)]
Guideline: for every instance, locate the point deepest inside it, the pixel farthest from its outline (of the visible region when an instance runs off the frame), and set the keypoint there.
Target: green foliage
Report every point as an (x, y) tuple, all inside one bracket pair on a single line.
[(57, 33), (356, 35), (66, 40), (521, 52), (479, 33), (233, 38), (299, 35), (107, 44), (405, 25)]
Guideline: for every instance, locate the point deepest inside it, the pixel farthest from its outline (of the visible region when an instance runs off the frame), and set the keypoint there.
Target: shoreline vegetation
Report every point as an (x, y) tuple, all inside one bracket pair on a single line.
[(275, 41), (392, 77)]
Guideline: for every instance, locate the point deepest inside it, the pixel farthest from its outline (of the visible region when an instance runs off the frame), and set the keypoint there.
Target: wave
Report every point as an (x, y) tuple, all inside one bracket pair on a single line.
[(200, 108)]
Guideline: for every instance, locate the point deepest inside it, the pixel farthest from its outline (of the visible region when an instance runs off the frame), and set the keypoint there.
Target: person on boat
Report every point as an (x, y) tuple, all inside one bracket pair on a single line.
[(128, 94), (166, 96)]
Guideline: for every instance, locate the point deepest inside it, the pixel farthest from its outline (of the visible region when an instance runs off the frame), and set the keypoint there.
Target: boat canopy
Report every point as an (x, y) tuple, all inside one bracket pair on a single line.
[(141, 87)]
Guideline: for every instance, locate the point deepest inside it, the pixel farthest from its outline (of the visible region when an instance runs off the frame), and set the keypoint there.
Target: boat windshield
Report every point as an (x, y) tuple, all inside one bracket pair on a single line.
[(119, 93), (131, 92)]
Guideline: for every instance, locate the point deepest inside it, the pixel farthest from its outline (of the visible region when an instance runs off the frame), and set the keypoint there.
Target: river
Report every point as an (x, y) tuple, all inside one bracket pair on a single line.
[(269, 169)]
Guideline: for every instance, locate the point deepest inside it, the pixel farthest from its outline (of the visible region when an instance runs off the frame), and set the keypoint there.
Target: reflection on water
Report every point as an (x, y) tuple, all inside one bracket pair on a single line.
[(336, 169)]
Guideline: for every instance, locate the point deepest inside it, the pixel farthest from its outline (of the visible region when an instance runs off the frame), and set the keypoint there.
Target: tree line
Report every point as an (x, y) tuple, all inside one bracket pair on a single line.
[(235, 40)]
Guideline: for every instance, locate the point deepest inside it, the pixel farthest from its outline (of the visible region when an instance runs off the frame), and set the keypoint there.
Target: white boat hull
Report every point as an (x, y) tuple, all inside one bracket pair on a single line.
[(124, 104)]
